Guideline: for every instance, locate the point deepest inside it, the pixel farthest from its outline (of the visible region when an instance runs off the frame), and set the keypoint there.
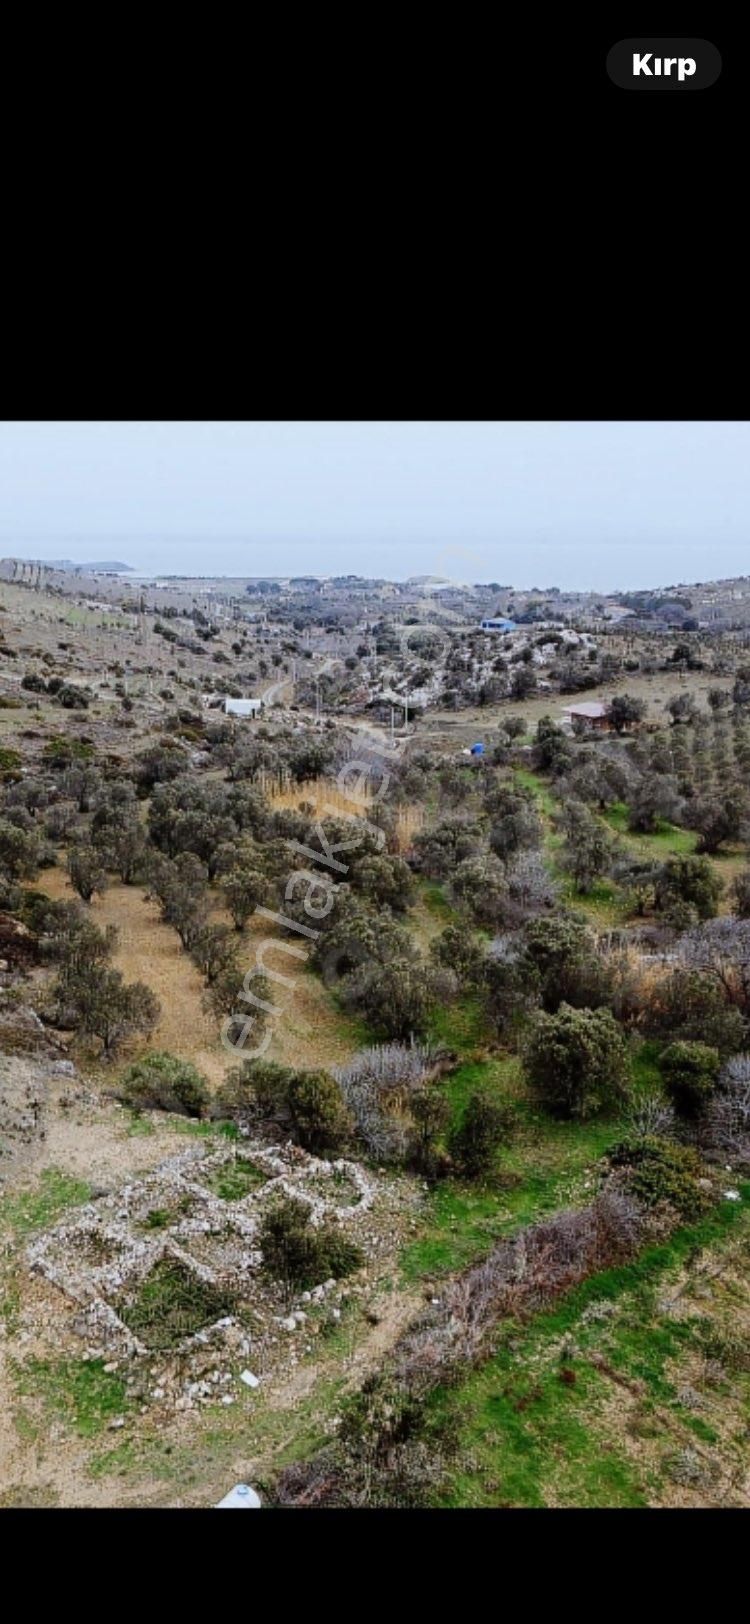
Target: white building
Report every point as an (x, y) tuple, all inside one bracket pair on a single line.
[(242, 707)]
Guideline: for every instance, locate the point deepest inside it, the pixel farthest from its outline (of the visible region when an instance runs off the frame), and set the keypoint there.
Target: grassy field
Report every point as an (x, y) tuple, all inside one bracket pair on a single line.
[(632, 1391), (543, 1165)]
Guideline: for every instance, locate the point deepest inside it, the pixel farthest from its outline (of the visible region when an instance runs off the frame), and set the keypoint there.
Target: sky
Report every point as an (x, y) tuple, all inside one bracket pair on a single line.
[(601, 505)]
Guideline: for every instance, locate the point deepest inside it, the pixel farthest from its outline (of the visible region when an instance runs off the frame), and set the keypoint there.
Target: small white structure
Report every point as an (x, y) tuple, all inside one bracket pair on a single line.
[(242, 707), (240, 1498)]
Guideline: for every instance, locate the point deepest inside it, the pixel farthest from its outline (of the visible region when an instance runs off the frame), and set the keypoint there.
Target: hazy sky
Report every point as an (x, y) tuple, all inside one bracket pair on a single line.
[(602, 505)]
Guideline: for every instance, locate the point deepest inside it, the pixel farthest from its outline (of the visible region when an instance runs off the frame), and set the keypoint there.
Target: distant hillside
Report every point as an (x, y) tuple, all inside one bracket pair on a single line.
[(108, 566)]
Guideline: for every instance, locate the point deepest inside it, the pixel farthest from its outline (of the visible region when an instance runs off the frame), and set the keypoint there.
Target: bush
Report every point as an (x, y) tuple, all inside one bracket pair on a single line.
[(457, 950), (741, 894), (691, 1005), (576, 1061), (304, 1105), (321, 1121), (687, 882), (725, 1125), (378, 1086), (396, 999), (101, 1004), (560, 955), (690, 1072), (659, 1172), (430, 1111), (300, 1255), (163, 1082), (20, 852), (475, 1143), (87, 874)]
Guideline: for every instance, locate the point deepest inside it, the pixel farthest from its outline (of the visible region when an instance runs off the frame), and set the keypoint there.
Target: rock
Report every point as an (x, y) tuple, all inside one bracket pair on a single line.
[(336, 1313), (111, 1366), (114, 1426), (158, 1392), (289, 1324), (249, 1379), (306, 1297), (61, 1068), (732, 1195), (227, 1398)]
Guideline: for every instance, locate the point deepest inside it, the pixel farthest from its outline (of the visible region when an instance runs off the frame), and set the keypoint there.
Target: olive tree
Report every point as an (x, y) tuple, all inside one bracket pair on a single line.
[(576, 1061)]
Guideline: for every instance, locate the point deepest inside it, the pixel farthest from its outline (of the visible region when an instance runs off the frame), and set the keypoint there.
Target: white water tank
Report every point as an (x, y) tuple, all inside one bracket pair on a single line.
[(240, 1498)]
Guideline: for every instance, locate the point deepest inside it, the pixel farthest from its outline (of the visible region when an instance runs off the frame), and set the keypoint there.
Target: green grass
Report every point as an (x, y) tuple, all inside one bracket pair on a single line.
[(666, 841), (544, 1165), (462, 1027), (35, 1209), (533, 781), (533, 1436), (237, 1179), (202, 1130), (435, 900), (172, 1303), (81, 1392)]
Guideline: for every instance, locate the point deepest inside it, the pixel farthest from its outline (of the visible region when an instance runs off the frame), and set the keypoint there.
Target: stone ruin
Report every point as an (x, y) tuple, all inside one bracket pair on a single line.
[(176, 1216)]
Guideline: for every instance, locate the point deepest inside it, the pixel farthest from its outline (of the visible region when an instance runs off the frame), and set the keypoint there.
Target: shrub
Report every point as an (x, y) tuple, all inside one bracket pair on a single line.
[(304, 1105), (475, 1142), (741, 894), (87, 874), (103, 1005), (163, 1082), (560, 954), (659, 1172), (691, 882), (397, 999), (72, 698), (430, 1112), (377, 1086), (725, 1126), (691, 1005), (690, 1071), (10, 761), (588, 849), (301, 1256), (576, 1061), (20, 852), (321, 1121), (457, 950)]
